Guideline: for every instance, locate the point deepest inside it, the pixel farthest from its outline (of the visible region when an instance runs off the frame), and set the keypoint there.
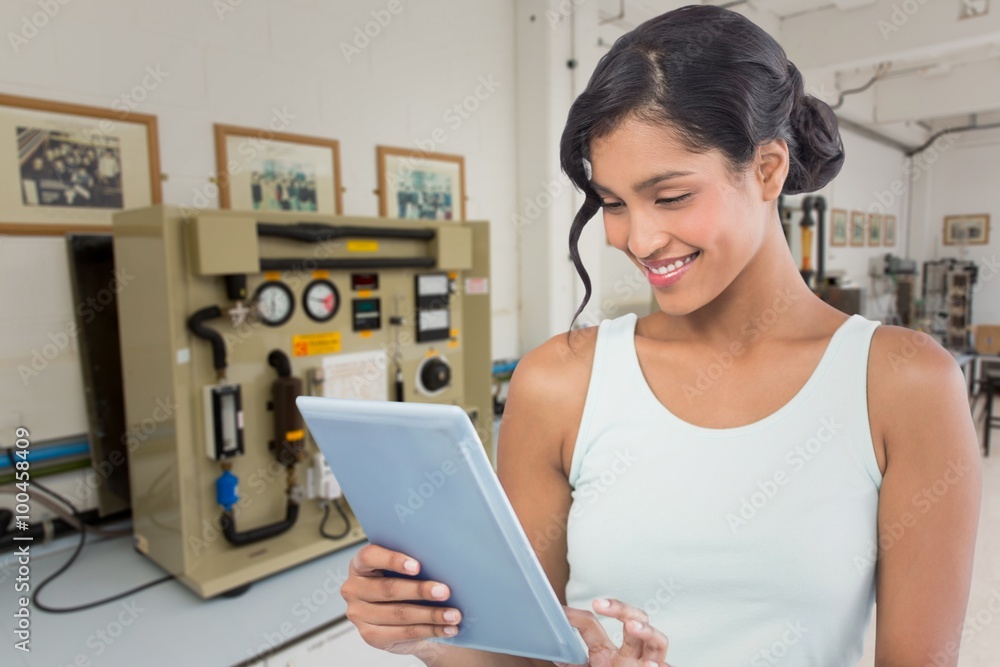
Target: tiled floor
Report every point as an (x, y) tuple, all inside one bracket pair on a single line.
[(981, 646)]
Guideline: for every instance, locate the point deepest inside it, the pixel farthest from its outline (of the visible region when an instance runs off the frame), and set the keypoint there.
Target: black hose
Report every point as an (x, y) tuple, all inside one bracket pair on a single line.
[(819, 203), (198, 328), (278, 360), (317, 232), (235, 537)]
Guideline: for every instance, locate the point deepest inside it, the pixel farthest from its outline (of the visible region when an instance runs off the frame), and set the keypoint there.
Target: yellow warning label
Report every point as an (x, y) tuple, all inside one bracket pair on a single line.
[(365, 334), (292, 436), (362, 246), (365, 292), (322, 343), (454, 333), (272, 275), (321, 273), (453, 343)]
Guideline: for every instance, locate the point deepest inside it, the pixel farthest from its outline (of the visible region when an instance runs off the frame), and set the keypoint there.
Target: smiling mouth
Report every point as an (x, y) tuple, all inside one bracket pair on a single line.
[(670, 268)]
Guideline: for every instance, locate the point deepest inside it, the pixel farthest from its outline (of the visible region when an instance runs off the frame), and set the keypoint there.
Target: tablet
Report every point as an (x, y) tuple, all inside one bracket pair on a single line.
[(419, 481)]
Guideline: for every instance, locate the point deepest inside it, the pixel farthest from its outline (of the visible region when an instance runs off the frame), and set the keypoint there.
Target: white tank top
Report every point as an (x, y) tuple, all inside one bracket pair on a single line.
[(754, 545)]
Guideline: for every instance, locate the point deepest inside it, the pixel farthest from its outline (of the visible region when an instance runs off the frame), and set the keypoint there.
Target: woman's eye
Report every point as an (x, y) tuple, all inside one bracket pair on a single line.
[(611, 205), (673, 200)]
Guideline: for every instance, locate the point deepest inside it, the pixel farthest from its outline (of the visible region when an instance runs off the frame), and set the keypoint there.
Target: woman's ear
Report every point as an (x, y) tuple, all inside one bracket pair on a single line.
[(772, 168)]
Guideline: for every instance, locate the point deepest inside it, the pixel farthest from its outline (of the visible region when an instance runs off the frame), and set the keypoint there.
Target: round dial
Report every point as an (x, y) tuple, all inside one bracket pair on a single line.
[(275, 303), (433, 375), (321, 300)]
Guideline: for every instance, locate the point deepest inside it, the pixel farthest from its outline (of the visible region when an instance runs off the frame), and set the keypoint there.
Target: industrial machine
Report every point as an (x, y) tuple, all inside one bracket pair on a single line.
[(947, 293), (897, 276), (227, 317)]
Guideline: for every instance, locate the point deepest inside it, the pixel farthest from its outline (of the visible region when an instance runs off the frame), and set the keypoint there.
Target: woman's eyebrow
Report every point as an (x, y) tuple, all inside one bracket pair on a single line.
[(639, 187)]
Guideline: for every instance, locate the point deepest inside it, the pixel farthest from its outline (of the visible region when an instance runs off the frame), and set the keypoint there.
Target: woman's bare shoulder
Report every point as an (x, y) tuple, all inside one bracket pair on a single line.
[(551, 381), (905, 367)]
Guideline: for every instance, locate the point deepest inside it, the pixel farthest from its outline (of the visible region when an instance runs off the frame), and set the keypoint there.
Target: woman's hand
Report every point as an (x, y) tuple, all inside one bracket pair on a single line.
[(642, 646), (382, 609)]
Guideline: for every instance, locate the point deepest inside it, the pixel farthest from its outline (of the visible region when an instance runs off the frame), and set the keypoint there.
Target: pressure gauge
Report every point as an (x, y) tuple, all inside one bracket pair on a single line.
[(275, 303), (321, 300)]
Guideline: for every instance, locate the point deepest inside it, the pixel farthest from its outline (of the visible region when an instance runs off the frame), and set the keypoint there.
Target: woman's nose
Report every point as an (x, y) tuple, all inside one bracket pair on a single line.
[(647, 235)]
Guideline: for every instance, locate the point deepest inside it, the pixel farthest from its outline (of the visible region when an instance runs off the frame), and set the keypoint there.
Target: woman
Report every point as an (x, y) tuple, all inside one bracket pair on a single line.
[(715, 483)]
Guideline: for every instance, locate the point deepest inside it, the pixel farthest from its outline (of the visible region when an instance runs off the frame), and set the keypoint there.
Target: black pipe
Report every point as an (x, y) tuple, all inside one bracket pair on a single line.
[(237, 538), (308, 263), (313, 232), (278, 360), (197, 327), (820, 205)]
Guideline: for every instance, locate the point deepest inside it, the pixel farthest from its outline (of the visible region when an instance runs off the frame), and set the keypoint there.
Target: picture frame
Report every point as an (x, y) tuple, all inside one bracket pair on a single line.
[(66, 168), (263, 170), (420, 185), (874, 229), (858, 229), (969, 229), (838, 227), (889, 230)]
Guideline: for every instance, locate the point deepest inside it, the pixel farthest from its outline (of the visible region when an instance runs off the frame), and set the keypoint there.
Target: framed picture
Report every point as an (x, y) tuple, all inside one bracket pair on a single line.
[(857, 228), (261, 170), (420, 185), (838, 227), (68, 167), (967, 229), (874, 229), (889, 230)]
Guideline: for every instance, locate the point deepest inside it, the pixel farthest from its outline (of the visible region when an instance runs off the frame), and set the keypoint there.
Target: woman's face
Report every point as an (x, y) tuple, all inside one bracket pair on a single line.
[(663, 202)]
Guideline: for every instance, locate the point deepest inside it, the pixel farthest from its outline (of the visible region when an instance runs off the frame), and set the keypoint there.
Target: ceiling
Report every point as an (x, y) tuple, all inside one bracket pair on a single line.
[(937, 66)]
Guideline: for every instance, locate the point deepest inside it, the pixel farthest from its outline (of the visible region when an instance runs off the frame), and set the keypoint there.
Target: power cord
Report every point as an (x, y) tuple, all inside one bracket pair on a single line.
[(326, 515), (72, 559)]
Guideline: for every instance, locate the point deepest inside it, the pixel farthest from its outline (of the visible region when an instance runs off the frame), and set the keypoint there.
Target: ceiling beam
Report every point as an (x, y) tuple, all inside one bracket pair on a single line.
[(963, 90), (888, 30)]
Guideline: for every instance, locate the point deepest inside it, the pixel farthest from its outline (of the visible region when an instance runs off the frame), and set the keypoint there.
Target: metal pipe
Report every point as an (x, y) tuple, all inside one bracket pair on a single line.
[(619, 17)]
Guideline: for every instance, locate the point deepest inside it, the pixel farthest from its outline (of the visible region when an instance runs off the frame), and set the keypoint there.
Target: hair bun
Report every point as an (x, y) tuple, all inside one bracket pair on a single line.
[(818, 154)]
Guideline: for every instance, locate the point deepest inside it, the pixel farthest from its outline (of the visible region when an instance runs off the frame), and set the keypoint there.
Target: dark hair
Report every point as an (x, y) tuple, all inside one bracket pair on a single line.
[(720, 82)]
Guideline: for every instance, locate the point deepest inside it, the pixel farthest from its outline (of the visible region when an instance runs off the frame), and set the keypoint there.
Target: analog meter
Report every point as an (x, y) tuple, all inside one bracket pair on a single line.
[(275, 303), (321, 300)]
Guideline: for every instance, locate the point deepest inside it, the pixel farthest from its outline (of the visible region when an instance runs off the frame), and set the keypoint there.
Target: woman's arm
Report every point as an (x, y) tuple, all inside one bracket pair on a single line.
[(543, 395), (929, 499)]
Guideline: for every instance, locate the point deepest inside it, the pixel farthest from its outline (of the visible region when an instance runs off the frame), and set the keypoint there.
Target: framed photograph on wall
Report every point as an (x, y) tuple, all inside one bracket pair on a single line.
[(857, 228), (838, 227), (261, 170), (967, 229), (68, 167), (889, 230), (420, 185), (874, 229)]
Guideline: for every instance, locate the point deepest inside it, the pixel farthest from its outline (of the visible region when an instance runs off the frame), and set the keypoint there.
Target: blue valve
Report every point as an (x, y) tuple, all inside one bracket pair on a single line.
[(226, 492)]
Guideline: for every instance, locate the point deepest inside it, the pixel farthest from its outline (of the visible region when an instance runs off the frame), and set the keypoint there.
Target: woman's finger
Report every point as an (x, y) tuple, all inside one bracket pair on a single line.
[(654, 643), (402, 613), (633, 621), (590, 629), (371, 559), (393, 589)]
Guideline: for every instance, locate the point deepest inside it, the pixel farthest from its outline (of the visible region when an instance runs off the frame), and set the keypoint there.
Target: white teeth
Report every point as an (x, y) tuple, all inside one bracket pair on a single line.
[(670, 268)]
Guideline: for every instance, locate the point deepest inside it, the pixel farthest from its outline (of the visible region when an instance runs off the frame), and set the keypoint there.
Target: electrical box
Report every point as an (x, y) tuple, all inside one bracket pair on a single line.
[(233, 314)]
